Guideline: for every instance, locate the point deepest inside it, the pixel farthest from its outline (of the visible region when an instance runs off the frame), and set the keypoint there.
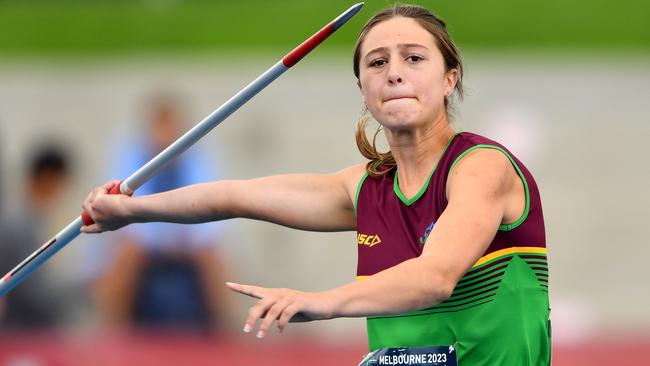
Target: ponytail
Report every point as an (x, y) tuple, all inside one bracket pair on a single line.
[(380, 163)]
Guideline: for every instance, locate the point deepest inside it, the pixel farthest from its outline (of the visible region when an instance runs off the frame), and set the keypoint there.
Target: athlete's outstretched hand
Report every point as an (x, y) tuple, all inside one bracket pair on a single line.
[(107, 210), (284, 306)]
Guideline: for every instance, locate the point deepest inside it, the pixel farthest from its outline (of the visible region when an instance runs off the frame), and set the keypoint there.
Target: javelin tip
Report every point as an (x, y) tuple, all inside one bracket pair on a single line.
[(343, 18)]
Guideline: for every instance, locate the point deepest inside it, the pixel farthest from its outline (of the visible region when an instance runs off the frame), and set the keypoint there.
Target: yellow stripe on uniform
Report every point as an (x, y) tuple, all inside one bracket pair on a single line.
[(506, 251), (497, 254)]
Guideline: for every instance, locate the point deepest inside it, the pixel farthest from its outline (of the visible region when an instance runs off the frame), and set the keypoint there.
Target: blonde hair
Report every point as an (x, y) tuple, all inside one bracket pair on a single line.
[(380, 163)]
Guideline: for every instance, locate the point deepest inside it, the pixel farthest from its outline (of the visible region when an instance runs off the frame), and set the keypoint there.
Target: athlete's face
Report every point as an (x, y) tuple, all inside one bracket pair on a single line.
[(402, 74)]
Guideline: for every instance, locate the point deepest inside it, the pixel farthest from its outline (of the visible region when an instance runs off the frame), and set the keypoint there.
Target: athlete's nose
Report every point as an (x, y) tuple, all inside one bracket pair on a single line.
[(394, 73), (394, 79)]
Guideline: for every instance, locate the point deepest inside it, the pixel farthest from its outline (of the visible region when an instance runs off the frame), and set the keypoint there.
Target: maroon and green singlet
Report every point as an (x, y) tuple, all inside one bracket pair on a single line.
[(498, 314)]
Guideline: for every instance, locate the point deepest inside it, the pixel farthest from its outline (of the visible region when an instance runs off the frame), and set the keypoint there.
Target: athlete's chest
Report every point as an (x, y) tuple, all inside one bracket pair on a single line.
[(390, 231)]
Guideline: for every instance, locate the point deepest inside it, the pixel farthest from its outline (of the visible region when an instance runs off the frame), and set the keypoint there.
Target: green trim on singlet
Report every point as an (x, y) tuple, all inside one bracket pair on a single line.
[(356, 196), (506, 227), (401, 195)]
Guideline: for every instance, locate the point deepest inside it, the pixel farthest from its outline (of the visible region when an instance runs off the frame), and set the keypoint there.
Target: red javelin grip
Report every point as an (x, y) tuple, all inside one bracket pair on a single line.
[(115, 189)]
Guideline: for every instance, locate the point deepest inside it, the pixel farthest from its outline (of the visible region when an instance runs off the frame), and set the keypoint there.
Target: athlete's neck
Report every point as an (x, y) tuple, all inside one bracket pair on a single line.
[(417, 152)]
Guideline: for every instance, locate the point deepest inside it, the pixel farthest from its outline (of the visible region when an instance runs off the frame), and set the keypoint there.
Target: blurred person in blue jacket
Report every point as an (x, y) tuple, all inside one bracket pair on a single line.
[(161, 275)]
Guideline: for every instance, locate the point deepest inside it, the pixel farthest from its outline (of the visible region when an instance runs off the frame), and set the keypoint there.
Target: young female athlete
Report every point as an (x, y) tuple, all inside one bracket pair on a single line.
[(449, 225)]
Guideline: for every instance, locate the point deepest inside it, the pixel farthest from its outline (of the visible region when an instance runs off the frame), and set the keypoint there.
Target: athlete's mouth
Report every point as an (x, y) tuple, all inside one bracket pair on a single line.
[(397, 98)]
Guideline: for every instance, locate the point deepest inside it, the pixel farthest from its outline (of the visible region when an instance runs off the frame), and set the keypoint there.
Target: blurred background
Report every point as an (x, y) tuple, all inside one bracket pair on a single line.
[(90, 90)]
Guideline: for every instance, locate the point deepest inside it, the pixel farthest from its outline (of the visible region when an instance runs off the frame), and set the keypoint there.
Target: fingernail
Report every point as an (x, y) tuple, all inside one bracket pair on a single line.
[(260, 334), (247, 328)]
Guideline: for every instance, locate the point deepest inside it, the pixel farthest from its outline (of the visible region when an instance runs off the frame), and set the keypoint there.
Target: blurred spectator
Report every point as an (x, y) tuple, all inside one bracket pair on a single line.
[(161, 275), (33, 304)]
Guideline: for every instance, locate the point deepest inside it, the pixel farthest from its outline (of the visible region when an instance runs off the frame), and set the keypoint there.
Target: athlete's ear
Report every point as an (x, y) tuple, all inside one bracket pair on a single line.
[(451, 79)]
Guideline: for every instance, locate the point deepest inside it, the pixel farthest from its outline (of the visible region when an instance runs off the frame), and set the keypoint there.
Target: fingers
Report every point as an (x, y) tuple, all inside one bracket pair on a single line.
[(286, 316), (91, 229), (110, 184), (258, 311), (269, 310), (252, 291), (274, 305), (89, 202), (272, 314)]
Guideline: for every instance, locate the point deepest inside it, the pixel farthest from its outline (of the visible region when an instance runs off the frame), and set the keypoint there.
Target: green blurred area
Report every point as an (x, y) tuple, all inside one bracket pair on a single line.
[(31, 28)]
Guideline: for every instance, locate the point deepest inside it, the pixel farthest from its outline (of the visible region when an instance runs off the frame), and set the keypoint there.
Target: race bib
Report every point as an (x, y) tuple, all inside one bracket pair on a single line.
[(416, 356)]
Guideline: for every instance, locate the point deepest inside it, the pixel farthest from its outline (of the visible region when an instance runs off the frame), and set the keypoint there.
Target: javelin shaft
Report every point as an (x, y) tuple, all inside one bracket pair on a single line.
[(142, 175)]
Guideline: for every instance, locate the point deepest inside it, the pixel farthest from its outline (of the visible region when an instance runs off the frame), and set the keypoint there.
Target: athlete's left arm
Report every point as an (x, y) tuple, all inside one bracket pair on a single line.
[(479, 188)]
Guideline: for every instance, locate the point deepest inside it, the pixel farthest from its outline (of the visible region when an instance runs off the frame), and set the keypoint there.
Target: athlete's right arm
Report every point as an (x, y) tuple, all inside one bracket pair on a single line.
[(319, 202)]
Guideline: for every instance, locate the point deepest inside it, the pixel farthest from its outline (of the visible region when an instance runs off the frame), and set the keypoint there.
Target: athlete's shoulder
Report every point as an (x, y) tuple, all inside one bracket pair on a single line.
[(472, 139), (479, 158), (484, 177), (351, 177), (353, 172), (468, 146), (483, 160)]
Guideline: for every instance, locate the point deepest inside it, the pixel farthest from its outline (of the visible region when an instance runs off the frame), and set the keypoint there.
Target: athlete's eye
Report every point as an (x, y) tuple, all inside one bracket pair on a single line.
[(414, 59), (377, 62)]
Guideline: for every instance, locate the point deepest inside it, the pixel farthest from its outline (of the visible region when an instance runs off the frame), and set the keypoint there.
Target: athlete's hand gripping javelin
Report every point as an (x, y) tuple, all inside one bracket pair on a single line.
[(107, 210)]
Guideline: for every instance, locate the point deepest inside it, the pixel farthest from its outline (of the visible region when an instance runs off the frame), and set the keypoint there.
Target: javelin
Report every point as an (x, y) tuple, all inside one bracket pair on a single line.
[(142, 175)]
